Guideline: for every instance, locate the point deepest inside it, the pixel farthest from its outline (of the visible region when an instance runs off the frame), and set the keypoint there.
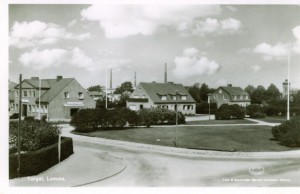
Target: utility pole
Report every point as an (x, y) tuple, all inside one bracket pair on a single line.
[(288, 86), (106, 88), (176, 118), (19, 126)]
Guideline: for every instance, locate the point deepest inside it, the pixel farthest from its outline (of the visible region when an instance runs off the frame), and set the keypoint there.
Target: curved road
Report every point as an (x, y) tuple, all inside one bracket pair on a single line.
[(149, 165)]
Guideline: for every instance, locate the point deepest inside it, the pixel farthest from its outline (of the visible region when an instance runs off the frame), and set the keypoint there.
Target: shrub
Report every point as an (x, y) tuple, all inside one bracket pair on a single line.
[(35, 162), (226, 112), (146, 117), (255, 111), (85, 120), (34, 135), (288, 133), (203, 108), (14, 116)]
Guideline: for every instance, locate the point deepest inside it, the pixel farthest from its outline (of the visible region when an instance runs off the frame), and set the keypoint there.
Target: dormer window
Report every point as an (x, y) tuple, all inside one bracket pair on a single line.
[(80, 95), (174, 98), (184, 97), (67, 95), (164, 97)]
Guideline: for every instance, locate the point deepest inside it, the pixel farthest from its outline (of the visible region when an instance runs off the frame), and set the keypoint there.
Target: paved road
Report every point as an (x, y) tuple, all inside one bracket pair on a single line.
[(149, 165), (135, 164)]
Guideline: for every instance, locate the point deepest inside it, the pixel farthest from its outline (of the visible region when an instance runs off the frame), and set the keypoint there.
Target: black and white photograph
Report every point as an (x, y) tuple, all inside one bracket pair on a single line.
[(152, 95)]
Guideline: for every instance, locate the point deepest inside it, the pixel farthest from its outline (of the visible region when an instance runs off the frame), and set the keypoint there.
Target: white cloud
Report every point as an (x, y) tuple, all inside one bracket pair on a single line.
[(29, 34), (255, 68), (296, 46), (209, 26), (43, 59), (270, 52), (76, 57), (72, 23), (191, 64), (119, 21)]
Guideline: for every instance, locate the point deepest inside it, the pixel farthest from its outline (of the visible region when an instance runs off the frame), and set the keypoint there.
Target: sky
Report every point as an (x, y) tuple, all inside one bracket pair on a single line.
[(212, 44)]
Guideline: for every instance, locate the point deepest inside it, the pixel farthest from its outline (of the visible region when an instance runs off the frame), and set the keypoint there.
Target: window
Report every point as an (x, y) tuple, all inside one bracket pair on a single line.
[(224, 97), (163, 97), (33, 93), (136, 96), (183, 97), (238, 97), (33, 108), (29, 108), (25, 93), (174, 98), (234, 97), (246, 97), (17, 93), (220, 91), (17, 106), (46, 109), (67, 95), (80, 95)]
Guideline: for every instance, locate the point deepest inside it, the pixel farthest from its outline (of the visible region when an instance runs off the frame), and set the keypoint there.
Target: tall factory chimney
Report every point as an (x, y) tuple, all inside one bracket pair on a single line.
[(110, 79), (135, 79), (166, 78)]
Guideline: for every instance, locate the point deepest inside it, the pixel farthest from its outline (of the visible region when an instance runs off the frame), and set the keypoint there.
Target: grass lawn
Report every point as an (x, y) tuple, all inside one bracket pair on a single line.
[(207, 122), (226, 138), (276, 119)]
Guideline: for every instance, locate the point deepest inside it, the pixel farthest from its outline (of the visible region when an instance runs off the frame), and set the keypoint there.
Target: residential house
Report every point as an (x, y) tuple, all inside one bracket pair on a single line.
[(163, 95), (11, 98), (60, 98), (230, 95)]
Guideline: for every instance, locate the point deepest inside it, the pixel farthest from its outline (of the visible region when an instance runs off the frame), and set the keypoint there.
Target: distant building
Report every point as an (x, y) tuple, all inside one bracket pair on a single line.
[(162, 95), (60, 98), (285, 90), (11, 97), (230, 95), (96, 95)]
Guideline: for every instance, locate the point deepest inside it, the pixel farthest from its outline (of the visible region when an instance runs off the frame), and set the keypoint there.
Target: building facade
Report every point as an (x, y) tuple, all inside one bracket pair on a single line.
[(230, 95), (60, 98), (162, 95)]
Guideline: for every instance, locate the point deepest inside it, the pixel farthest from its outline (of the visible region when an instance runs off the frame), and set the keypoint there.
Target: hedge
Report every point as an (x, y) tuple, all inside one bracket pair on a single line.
[(226, 112), (33, 163), (255, 111), (288, 133)]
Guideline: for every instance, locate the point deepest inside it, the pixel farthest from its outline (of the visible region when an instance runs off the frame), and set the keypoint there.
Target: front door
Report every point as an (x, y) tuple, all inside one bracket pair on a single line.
[(73, 111), (24, 110)]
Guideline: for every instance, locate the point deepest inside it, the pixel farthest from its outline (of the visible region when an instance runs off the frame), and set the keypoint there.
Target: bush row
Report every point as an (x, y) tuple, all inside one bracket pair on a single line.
[(226, 112), (288, 133), (34, 135), (32, 163), (203, 108), (87, 120)]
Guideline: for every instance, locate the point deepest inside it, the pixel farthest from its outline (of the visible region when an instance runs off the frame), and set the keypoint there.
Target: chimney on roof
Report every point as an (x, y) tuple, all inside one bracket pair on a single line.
[(110, 83), (59, 77), (166, 78), (229, 85), (35, 78)]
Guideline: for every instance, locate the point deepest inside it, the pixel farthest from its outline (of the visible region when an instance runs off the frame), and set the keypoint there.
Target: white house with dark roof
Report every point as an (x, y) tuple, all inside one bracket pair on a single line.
[(230, 95), (60, 98), (163, 95)]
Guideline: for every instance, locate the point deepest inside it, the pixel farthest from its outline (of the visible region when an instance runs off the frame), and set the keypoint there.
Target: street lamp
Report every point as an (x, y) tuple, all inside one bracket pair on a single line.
[(208, 99), (176, 118)]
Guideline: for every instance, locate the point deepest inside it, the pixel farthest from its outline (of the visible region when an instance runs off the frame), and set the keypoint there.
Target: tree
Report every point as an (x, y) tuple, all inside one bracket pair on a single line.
[(272, 92), (195, 93), (122, 101), (126, 86), (250, 89), (96, 88), (259, 95), (204, 90)]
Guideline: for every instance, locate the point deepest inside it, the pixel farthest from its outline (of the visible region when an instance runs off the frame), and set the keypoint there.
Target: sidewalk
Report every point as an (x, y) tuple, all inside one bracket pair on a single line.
[(83, 167)]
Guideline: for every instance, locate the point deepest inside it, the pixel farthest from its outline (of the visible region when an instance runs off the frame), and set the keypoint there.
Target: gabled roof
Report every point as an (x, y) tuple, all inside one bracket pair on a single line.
[(234, 91), (56, 87), (45, 83), (11, 85), (156, 90)]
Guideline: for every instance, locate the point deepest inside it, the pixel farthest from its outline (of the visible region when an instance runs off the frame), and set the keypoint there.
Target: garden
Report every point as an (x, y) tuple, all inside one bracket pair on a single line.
[(38, 147)]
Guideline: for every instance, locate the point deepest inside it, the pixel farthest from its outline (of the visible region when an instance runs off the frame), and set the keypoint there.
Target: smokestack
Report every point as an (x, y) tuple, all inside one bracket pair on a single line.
[(110, 78), (134, 79), (166, 78)]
